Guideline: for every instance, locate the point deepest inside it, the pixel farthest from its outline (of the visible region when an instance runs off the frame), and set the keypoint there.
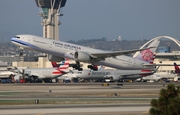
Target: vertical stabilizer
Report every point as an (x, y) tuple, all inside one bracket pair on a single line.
[(63, 65), (177, 70), (148, 55), (54, 64)]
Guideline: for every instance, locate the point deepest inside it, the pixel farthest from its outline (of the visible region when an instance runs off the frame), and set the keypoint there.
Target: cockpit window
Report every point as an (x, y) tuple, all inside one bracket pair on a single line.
[(16, 37)]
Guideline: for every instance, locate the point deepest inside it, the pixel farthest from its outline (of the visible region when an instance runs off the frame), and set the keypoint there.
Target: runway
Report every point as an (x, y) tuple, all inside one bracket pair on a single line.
[(78, 98), (78, 110)]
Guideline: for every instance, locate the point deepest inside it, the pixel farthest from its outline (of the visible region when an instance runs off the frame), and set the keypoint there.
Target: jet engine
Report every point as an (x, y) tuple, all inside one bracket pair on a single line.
[(82, 57), (113, 77), (55, 58)]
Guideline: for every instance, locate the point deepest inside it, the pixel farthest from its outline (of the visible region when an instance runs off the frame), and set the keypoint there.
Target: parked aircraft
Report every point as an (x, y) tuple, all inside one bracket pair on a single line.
[(160, 75), (113, 75), (153, 77), (59, 50), (47, 73), (6, 74)]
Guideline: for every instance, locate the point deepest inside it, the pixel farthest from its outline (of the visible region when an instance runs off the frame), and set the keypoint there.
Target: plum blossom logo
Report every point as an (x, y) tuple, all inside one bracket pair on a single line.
[(147, 55)]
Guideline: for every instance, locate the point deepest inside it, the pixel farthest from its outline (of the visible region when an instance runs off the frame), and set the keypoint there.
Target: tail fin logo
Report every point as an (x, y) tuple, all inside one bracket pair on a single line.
[(54, 64), (147, 55), (62, 67), (90, 72)]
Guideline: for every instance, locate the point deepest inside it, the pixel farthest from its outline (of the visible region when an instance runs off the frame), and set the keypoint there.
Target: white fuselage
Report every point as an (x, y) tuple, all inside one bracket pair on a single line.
[(159, 75), (106, 74), (67, 50), (6, 74), (42, 73)]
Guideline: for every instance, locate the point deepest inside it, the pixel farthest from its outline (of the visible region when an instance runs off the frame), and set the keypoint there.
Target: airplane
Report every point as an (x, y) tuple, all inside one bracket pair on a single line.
[(6, 74), (46, 73), (151, 78), (58, 50), (113, 75), (160, 75)]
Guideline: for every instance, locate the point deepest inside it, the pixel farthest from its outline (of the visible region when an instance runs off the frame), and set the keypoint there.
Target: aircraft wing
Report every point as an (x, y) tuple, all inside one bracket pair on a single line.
[(117, 53), (159, 64)]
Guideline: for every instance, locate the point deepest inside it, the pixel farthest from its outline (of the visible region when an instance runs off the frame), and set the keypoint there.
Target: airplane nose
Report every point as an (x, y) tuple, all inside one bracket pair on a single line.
[(12, 39)]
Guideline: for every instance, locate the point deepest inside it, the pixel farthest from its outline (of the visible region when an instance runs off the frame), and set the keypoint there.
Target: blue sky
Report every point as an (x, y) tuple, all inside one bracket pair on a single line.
[(91, 19)]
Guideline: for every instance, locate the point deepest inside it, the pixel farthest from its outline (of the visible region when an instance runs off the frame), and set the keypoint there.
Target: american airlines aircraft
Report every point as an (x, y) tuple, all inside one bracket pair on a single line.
[(59, 50), (47, 73), (113, 75)]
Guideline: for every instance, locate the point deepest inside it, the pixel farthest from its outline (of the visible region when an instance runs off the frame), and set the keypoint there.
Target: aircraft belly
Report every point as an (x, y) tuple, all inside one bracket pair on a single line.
[(118, 64), (92, 77)]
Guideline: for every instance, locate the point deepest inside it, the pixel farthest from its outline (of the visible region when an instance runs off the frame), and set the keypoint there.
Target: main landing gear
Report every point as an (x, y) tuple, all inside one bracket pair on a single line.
[(93, 67), (77, 66)]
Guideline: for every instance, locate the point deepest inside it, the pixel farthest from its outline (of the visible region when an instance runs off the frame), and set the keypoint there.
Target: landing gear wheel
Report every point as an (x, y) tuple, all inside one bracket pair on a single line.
[(93, 67), (77, 66), (80, 69), (21, 53)]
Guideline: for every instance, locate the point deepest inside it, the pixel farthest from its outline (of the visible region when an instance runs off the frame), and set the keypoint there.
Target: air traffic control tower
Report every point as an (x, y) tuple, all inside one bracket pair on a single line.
[(50, 13)]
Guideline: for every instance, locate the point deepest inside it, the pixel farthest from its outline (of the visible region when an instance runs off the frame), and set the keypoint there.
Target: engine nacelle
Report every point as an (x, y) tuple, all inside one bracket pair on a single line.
[(113, 77), (55, 58), (82, 57)]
